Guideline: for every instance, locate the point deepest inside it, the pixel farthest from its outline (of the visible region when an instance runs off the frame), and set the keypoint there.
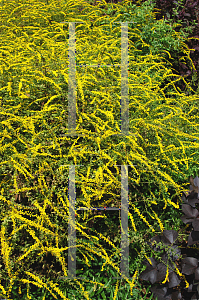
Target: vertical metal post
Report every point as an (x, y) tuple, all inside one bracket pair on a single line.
[(124, 265), (72, 81), (124, 80), (71, 224)]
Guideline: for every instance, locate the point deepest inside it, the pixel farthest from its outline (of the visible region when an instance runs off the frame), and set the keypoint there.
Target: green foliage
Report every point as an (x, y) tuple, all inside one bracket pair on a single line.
[(34, 108)]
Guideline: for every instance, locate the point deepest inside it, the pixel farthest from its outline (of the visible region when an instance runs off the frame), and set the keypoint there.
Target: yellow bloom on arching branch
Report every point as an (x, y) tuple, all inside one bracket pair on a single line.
[(46, 176)]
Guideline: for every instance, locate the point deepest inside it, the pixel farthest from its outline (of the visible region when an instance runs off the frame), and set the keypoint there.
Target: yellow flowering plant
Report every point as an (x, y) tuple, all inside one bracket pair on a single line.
[(35, 157)]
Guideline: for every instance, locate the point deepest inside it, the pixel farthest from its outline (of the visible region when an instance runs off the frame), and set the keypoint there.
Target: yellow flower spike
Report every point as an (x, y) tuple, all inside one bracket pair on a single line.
[(167, 275), (116, 290)]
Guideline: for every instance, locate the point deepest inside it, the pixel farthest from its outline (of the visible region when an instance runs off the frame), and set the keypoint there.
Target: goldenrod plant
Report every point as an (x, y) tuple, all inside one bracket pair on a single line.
[(35, 154)]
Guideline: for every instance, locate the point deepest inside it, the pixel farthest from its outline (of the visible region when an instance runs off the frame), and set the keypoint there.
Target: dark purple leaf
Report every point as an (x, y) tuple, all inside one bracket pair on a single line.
[(169, 236), (193, 238), (189, 265), (173, 280), (161, 293), (189, 211)]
